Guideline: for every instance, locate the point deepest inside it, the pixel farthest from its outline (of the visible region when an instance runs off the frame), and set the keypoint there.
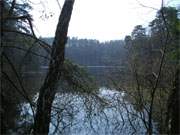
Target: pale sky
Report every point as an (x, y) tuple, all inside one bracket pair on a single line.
[(95, 19)]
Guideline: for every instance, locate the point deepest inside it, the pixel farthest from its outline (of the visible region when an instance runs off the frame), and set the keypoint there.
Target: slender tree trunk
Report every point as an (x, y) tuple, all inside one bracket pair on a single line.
[(173, 119), (175, 129), (48, 89)]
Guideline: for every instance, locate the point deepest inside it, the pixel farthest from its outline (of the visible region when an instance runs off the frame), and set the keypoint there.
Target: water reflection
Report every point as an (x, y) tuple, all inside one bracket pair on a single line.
[(74, 114)]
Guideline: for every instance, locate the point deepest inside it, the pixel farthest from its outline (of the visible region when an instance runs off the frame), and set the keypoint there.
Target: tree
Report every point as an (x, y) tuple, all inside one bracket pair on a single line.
[(11, 91), (153, 60), (48, 90)]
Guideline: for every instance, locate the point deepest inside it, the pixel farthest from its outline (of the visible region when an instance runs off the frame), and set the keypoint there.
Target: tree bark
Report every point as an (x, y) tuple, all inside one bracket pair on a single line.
[(175, 129), (172, 120), (48, 89)]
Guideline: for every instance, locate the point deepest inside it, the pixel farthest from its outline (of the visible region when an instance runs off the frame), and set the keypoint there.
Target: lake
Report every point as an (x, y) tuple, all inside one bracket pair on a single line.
[(107, 114)]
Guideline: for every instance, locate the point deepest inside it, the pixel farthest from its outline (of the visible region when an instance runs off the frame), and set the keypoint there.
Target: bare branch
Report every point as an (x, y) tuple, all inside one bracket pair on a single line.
[(19, 81), (145, 6), (12, 7), (59, 4), (43, 44), (25, 50)]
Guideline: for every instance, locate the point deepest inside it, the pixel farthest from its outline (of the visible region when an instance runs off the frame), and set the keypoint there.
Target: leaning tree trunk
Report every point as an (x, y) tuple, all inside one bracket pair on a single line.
[(48, 89)]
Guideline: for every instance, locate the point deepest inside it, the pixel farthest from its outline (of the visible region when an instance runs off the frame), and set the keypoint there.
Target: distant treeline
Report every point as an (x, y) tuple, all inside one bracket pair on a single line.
[(88, 52)]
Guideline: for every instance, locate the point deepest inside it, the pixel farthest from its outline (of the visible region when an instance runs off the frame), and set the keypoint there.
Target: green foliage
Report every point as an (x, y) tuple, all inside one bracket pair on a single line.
[(76, 79), (139, 32), (145, 55)]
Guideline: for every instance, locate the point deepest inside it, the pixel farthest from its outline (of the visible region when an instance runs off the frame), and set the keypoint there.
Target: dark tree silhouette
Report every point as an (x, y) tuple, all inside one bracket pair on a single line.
[(48, 89)]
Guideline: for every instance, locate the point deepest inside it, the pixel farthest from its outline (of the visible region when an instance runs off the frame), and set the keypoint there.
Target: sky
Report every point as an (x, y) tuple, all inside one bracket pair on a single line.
[(103, 20)]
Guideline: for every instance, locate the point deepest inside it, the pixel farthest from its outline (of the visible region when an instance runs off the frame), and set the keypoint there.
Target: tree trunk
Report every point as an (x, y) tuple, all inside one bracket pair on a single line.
[(48, 89), (175, 99), (172, 119)]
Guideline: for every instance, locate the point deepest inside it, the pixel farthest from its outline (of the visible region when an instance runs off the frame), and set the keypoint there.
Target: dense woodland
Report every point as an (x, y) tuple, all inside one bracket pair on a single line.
[(92, 52), (47, 83)]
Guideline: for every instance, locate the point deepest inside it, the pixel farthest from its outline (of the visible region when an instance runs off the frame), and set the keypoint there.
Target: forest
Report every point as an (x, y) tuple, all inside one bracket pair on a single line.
[(65, 85)]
